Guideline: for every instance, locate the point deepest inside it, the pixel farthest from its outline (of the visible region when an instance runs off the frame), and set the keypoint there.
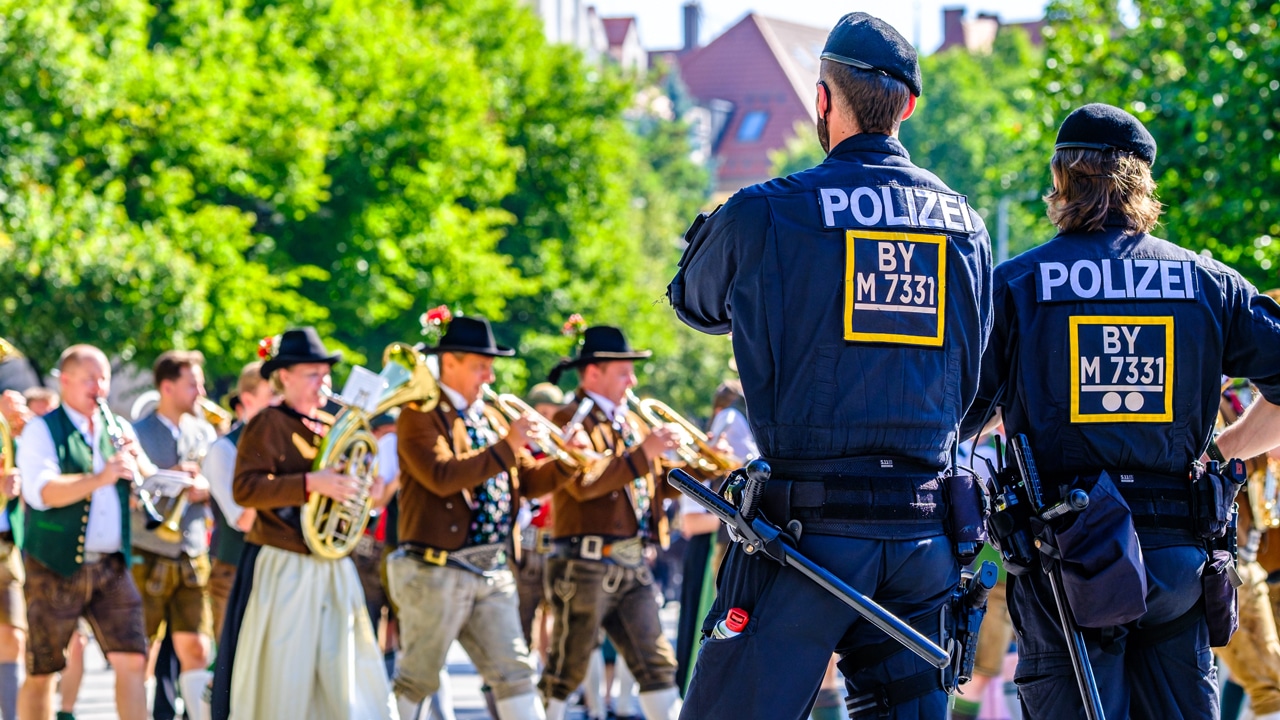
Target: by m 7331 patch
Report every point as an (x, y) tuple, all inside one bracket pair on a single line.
[(895, 287), (1121, 369)]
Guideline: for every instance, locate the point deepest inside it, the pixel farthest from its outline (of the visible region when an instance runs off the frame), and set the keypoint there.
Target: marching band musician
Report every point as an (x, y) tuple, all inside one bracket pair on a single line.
[(174, 576), (13, 606), (296, 641), (254, 394), (463, 472), (596, 573), (77, 542)]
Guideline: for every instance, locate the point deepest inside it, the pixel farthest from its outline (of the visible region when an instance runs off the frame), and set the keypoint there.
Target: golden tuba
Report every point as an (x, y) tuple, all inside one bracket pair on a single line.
[(695, 448), (591, 463), (7, 447), (330, 528)]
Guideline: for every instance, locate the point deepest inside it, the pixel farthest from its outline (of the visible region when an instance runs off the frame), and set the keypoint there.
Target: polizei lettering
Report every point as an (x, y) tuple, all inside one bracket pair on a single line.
[(1116, 279), (889, 206)]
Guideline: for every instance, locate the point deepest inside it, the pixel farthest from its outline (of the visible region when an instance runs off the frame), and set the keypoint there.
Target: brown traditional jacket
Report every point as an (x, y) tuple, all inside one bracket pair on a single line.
[(607, 506), (275, 452), (439, 470)]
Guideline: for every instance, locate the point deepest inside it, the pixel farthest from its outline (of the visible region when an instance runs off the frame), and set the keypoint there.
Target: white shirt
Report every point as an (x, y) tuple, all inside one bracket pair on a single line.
[(614, 411), (219, 468), (737, 433), (472, 412), (38, 462), (388, 460)]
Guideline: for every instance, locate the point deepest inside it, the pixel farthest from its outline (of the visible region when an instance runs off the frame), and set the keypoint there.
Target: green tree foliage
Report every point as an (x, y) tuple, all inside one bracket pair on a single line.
[(202, 173), (1204, 76), (980, 128)]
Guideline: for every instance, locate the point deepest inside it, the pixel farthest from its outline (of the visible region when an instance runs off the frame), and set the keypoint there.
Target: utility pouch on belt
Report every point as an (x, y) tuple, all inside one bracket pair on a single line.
[(1219, 583), (966, 516), (1213, 500), (1213, 496), (1103, 573)]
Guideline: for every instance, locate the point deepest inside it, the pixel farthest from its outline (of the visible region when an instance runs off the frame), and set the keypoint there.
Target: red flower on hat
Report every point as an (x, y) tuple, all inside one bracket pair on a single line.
[(268, 347), (574, 327), (435, 322)]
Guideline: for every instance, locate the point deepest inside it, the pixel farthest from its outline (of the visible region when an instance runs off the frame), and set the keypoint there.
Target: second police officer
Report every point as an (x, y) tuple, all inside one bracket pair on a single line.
[(858, 294), (1107, 352)]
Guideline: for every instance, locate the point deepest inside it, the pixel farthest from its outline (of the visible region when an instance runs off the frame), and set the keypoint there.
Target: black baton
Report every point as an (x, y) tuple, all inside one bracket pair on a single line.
[(757, 535)]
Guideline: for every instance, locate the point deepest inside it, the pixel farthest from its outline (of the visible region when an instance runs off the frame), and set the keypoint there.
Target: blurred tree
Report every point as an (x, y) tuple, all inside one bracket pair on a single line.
[(202, 173), (1204, 76)]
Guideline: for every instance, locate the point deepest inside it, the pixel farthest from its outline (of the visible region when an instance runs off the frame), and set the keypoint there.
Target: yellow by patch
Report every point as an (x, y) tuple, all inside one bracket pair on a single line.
[(1121, 368), (895, 288)]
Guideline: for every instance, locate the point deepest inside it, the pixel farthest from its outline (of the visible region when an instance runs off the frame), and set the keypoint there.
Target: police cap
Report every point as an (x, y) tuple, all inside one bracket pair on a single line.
[(1105, 127), (869, 43)]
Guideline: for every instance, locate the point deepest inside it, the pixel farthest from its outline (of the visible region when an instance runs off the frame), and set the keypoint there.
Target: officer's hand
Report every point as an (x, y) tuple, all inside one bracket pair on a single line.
[(11, 483), (659, 441), (518, 433), (333, 485)]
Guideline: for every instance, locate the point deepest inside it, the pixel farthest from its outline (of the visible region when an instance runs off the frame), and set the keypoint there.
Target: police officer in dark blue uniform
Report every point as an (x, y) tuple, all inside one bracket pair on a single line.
[(858, 294), (1107, 353)]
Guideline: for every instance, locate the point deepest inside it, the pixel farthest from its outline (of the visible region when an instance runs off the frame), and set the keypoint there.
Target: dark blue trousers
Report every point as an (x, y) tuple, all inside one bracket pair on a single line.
[(774, 668), (1140, 674)]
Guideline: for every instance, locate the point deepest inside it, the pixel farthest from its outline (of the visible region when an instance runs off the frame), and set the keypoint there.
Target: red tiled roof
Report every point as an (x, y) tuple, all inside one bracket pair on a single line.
[(615, 28), (760, 65)]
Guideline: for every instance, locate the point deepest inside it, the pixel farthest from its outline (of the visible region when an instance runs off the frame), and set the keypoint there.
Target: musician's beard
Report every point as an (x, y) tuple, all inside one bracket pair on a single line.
[(824, 135)]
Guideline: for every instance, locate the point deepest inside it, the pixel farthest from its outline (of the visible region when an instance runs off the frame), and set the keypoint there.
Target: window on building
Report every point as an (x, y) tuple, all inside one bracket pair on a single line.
[(752, 126)]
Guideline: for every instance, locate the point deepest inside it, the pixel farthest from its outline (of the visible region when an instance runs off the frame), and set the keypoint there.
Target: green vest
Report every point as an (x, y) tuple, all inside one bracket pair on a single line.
[(56, 536)]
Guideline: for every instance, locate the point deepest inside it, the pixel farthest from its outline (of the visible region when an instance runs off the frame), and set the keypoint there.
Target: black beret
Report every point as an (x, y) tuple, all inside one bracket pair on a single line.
[(869, 43), (1105, 127)]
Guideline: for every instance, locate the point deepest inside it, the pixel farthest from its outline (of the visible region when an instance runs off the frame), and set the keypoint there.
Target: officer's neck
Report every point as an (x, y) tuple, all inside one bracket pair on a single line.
[(842, 128)]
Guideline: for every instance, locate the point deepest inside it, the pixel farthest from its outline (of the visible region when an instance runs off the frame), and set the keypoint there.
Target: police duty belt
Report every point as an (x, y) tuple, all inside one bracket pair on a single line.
[(758, 535)]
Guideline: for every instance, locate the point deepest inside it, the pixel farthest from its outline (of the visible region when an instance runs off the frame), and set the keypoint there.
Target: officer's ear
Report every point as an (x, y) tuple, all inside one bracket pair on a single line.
[(911, 107), (823, 101)]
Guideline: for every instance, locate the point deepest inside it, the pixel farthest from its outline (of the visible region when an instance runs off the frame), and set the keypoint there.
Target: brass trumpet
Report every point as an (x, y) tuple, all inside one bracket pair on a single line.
[(591, 463), (695, 447), (214, 413)]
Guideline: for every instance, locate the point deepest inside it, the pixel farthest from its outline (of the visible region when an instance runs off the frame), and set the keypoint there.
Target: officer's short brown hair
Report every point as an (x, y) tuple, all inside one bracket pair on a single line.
[(875, 100), (170, 364), (1089, 185)]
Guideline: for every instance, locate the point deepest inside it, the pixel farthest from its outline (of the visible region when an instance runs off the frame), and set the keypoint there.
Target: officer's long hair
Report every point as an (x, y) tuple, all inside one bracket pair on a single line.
[(1089, 185)]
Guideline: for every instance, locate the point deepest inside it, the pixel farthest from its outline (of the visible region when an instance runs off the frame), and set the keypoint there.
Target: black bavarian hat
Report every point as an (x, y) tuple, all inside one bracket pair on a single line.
[(600, 343), (297, 346), (470, 334), (869, 43), (1105, 127)]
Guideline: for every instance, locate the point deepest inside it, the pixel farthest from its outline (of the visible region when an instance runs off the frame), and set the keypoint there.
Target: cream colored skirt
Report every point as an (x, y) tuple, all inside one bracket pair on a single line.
[(306, 648)]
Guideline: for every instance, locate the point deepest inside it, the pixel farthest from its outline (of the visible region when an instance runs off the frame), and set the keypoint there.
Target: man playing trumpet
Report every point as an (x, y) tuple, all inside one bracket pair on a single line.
[(463, 471), (596, 572)]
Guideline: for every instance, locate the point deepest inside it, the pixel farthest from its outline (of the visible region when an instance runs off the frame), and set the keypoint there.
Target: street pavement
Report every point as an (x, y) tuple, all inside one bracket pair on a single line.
[(97, 693)]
